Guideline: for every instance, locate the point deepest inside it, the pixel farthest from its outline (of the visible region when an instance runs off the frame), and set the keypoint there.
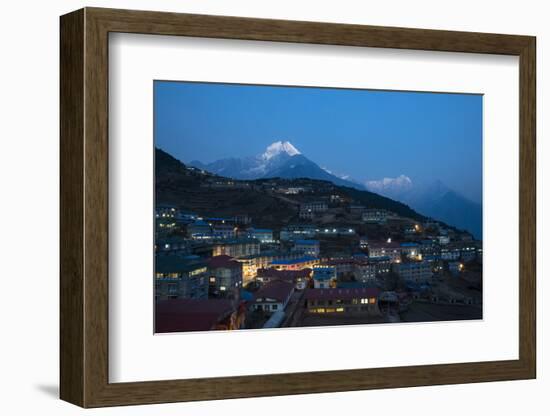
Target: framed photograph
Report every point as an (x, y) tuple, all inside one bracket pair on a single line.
[(254, 207)]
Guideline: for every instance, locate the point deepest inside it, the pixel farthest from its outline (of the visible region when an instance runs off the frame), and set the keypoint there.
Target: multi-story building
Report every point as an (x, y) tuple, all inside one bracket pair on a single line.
[(297, 232), (469, 250), (342, 266), (307, 247), (251, 264), (356, 210), (363, 242), (385, 249), (429, 247), (335, 231), (178, 277), (225, 277), (300, 263), (237, 247), (416, 272), (410, 250), (299, 278), (355, 301), (451, 252), (263, 235), (324, 277), (224, 231), (242, 219), (199, 230), (309, 210), (382, 264), (373, 215), (365, 271), (173, 245)]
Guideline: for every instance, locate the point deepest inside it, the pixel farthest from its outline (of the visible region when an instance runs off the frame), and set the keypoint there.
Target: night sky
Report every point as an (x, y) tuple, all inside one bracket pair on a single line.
[(365, 134)]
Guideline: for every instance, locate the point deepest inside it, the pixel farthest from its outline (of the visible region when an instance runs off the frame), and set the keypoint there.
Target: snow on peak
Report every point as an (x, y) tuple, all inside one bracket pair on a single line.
[(402, 181), (279, 147)]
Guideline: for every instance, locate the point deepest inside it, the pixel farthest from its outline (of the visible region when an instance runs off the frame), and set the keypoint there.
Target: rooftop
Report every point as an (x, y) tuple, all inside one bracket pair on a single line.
[(341, 293), (239, 241), (180, 315), (171, 264), (224, 262), (279, 290), (409, 244), (284, 274), (294, 261)]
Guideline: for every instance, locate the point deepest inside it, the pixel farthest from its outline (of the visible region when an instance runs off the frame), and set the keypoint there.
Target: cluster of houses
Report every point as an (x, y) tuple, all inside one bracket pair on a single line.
[(213, 273)]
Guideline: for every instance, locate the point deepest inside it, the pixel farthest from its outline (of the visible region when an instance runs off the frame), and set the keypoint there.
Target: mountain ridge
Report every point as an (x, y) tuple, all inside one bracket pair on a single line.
[(184, 185), (280, 159), (433, 199)]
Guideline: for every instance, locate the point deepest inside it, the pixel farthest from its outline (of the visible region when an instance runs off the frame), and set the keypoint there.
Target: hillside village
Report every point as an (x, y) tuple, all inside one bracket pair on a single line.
[(273, 252)]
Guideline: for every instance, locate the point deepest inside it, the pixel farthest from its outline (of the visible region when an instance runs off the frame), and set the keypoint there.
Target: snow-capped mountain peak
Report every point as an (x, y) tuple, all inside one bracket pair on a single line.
[(277, 148), (402, 181)]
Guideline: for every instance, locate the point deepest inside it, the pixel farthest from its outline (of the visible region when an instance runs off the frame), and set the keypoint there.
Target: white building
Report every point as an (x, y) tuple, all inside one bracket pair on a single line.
[(324, 277), (381, 249), (263, 235), (310, 209), (307, 247), (417, 272), (373, 215)]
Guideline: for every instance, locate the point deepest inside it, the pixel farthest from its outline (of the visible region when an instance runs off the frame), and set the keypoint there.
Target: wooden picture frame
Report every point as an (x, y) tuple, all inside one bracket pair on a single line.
[(84, 207)]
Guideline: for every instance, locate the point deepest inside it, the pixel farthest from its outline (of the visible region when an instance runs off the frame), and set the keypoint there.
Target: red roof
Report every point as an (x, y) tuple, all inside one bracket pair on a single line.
[(340, 293), (224, 262), (279, 290), (181, 315)]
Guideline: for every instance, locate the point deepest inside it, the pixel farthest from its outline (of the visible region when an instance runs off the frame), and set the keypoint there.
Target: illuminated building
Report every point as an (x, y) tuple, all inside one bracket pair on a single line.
[(225, 277), (342, 301), (263, 235), (295, 264), (237, 247), (178, 277), (385, 249)]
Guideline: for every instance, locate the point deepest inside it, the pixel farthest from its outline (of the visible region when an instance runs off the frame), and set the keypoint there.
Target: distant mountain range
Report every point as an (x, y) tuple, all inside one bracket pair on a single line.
[(282, 160), (433, 199), (191, 189)]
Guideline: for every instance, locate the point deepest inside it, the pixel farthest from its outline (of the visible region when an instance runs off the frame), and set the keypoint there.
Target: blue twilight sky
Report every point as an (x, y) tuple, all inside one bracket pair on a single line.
[(366, 134)]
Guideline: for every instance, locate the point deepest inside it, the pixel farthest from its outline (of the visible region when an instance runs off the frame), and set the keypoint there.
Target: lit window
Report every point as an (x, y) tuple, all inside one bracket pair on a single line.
[(222, 288)]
